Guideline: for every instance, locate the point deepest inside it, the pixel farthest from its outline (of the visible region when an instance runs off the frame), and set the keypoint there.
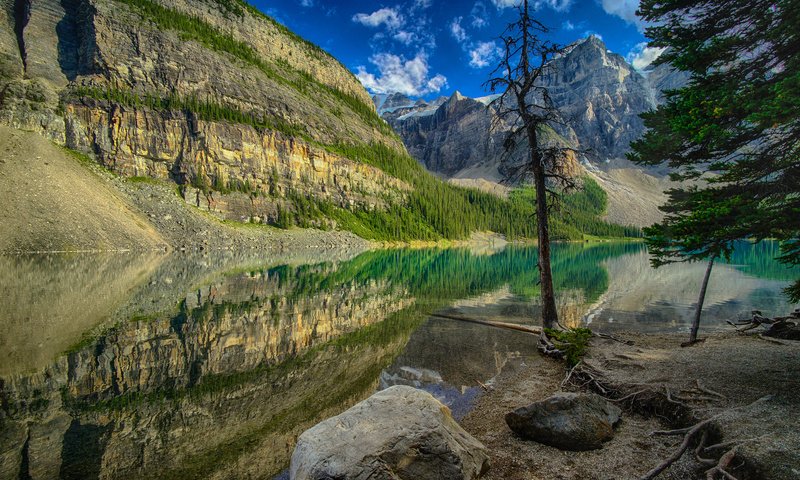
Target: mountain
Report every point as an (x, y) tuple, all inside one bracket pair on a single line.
[(208, 94), (217, 101), (600, 97)]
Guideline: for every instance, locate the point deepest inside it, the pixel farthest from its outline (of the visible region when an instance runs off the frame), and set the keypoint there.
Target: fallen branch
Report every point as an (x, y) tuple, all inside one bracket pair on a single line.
[(489, 323), (612, 337), (485, 387)]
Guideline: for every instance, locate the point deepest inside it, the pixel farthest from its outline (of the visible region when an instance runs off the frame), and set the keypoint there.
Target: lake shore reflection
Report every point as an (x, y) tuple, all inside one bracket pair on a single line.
[(179, 366)]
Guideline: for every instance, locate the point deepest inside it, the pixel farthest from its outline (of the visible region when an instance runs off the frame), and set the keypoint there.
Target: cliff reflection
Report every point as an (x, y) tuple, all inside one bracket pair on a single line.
[(210, 366)]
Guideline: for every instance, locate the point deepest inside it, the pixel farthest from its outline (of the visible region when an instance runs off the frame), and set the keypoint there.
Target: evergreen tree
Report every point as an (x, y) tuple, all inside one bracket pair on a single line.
[(733, 131)]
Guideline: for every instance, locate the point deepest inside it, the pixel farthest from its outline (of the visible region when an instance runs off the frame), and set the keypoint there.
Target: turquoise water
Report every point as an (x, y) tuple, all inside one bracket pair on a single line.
[(204, 366)]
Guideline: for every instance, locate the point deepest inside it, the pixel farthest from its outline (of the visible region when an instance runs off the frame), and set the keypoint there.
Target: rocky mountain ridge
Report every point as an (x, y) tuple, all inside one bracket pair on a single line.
[(599, 94)]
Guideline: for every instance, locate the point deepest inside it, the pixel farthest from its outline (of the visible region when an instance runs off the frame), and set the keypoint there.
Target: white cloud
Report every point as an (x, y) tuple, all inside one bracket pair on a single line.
[(385, 16), (592, 33), (457, 30), (422, 4), (568, 26), (483, 54), (642, 56), (306, 3), (557, 5), (506, 3), (396, 74), (479, 15), (624, 9)]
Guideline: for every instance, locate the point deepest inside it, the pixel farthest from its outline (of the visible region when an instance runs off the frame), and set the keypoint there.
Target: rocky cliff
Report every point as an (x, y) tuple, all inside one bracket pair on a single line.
[(210, 94), (599, 95)]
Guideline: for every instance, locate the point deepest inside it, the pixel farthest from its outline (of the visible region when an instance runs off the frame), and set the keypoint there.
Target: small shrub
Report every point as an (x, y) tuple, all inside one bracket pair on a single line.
[(572, 342)]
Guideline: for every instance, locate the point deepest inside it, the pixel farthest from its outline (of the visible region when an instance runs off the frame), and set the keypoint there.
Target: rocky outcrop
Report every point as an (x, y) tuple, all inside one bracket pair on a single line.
[(569, 421), (450, 137), (398, 433), (599, 95), (244, 105)]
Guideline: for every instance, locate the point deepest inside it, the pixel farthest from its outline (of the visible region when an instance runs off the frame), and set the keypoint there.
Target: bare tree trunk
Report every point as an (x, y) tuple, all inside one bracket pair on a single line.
[(700, 301), (549, 313)]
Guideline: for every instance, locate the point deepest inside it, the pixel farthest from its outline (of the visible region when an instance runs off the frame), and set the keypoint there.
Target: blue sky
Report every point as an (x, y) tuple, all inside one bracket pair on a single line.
[(428, 48)]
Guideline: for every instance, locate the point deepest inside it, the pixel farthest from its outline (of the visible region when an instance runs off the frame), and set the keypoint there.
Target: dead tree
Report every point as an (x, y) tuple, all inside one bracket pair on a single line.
[(525, 105)]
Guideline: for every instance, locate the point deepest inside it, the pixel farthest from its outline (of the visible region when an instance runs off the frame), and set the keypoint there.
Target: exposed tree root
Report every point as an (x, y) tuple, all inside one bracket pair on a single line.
[(689, 433), (612, 337), (692, 342), (548, 348), (650, 399)]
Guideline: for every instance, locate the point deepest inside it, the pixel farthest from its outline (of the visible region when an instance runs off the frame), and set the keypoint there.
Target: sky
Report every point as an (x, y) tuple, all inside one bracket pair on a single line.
[(430, 48)]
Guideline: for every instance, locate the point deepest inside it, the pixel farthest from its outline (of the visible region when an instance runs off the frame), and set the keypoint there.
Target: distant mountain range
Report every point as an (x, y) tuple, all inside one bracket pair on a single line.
[(600, 96)]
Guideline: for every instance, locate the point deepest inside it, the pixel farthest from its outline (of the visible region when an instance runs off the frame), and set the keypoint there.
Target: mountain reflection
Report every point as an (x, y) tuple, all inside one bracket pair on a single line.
[(186, 366)]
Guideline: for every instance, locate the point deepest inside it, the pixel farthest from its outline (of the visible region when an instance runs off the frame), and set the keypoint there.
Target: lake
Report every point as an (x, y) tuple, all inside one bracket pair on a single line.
[(210, 366)]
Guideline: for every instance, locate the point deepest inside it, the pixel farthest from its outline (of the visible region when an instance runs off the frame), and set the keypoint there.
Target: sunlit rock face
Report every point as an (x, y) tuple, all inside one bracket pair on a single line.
[(122, 58), (598, 94)]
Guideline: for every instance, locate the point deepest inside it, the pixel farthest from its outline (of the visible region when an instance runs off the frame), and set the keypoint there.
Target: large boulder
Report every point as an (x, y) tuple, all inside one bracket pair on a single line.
[(568, 421), (397, 433)]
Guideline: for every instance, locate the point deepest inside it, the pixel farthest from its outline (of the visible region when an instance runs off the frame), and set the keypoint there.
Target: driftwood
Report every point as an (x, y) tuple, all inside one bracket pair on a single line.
[(522, 328), (780, 327), (489, 323)]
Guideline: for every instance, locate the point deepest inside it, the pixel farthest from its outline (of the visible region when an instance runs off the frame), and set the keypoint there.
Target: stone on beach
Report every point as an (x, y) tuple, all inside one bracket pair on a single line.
[(397, 433), (568, 421)]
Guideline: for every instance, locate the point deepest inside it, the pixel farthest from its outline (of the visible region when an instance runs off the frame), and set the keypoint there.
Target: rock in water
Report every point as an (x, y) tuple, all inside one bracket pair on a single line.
[(398, 433), (568, 421)]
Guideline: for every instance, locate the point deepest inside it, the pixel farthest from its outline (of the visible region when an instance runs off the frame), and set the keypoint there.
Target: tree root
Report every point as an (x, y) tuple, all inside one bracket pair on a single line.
[(650, 399), (548, 348), (612, 337), (689, 433)]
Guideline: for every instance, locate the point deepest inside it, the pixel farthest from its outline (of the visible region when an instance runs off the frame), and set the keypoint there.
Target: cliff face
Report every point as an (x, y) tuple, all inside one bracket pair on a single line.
[(207, 93), (599, 95), (447, 137)]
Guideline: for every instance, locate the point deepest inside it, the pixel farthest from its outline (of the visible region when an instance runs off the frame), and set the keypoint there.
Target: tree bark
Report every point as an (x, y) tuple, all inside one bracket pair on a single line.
[(549, 312), (700, 301)]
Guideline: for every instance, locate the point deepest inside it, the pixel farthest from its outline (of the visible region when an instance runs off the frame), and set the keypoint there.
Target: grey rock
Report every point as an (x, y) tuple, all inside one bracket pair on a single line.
[(397, 433), (598, 93), (568, 421)]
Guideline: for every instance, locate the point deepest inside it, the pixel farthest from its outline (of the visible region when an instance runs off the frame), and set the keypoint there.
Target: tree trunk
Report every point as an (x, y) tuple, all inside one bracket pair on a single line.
[(700, 301), (549, 313)]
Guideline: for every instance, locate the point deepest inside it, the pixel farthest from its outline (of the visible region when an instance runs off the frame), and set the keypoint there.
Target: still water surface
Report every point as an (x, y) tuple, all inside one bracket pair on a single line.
[(184, 366)]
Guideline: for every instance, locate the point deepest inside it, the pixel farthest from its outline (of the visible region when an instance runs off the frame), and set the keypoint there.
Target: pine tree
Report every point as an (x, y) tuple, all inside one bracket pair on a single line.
[(733, 131)]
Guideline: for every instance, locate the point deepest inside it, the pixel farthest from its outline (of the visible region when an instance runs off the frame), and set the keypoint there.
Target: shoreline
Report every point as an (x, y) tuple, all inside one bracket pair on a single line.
[(742, 369)]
